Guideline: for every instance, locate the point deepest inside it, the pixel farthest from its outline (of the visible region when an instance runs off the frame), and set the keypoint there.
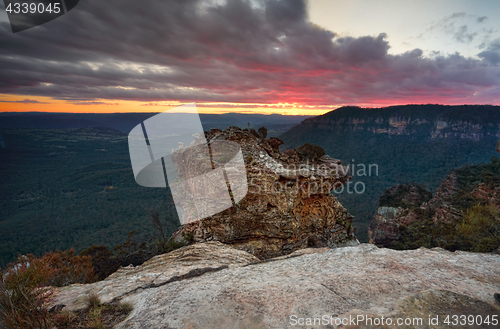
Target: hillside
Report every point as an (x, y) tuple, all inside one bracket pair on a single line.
[(409, 143), (463, 214)]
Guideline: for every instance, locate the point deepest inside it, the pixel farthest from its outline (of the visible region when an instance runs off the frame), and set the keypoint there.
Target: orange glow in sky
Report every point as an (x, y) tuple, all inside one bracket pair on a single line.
[(15, 103)]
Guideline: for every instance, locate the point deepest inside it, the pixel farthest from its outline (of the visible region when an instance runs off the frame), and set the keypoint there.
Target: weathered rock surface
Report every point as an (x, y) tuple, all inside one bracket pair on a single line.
[(287, 207), (176, 265), (310, 283), (384, 227)]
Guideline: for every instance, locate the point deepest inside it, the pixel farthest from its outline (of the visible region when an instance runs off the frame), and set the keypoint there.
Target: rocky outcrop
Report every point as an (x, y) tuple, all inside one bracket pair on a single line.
[(384, 227), (287, 207), (177, 265), (396, 207), (211, 285), (462, 189)]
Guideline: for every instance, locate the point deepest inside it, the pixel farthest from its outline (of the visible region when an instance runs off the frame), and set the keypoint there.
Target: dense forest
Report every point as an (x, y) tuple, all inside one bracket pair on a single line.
[(72, 189), (66, 182), (408, 144)]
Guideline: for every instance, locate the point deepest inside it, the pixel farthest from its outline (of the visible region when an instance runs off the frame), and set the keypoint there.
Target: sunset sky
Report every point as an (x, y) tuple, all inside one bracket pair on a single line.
[(288, 57)]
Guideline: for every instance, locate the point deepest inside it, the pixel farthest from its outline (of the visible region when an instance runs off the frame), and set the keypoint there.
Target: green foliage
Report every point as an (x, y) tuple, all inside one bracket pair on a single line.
[(481, 228), (96, 315), (479, 231), (310, 152), (413, 157), (398, 196), (172, 245)]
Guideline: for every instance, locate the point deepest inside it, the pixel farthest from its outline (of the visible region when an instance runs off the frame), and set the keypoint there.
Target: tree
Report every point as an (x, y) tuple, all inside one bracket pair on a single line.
[(310, 151), (262, 132)]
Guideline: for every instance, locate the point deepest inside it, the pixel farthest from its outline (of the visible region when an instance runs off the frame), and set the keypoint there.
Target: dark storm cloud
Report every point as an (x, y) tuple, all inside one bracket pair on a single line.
[(234, 51)]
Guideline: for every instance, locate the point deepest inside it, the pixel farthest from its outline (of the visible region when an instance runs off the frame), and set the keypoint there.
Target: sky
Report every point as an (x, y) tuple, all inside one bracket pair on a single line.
[(252, 56)]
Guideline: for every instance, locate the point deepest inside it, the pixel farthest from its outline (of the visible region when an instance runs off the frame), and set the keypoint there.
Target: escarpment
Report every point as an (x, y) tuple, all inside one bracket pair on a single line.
[(288, 205)]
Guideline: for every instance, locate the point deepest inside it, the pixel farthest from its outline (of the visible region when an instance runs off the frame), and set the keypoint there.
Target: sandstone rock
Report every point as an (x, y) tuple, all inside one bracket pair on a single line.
[(361, 280), (396, 208), (287, 207), (176, 265), (384, 227)]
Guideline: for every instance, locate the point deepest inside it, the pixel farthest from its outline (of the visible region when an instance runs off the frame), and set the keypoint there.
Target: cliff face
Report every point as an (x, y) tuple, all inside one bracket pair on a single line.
[(408, 143), (211, 285), (429, 121), (395, 208), (287, 207), (467, 200)]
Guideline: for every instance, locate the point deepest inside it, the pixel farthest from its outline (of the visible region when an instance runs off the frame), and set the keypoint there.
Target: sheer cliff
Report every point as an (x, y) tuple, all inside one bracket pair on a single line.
[(407, 143)]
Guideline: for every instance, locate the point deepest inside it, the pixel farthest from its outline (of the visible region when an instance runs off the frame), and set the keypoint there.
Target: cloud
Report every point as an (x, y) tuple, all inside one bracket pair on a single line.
[(238, 51), (463, 35), (492, 53), (481, 19), (25, 101), (453, 25), (152, 104), (94, 103)]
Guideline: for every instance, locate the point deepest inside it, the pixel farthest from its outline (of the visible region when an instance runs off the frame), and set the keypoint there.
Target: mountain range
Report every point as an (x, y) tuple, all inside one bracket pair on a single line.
[(401, 144)]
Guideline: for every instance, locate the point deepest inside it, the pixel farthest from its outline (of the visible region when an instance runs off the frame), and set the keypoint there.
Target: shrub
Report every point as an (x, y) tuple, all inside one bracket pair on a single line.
[(92, 300), (310, 152), (102, 260), (253, 132), (481, 228), (70, 268), (24, 293), (262, 132), (125, 306)]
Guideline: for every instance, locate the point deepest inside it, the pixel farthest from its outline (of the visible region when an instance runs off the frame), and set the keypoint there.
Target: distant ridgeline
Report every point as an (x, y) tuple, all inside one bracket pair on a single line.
[(410, 143), (275, 123)]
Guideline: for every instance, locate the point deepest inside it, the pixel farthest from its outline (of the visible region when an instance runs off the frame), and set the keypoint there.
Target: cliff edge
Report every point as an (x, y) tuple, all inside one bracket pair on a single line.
[(212, 285)]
